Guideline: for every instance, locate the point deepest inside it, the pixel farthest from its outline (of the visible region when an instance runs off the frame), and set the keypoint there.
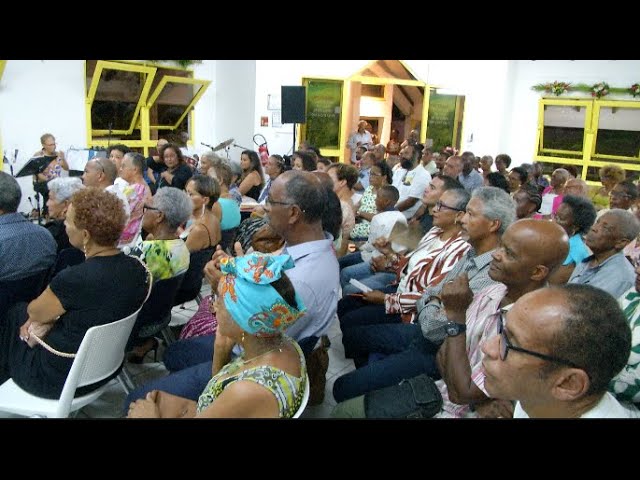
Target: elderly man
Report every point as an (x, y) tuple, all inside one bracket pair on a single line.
[(294, 207), (608, 268), (27, 251), (453, 167), (577, 187), (555, 355), (411, 347), (529, 251), (469, 177)]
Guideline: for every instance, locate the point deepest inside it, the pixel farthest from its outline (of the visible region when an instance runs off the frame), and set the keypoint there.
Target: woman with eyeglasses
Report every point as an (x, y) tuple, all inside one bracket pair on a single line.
[(268, 379), (164, 253), (436, 254)]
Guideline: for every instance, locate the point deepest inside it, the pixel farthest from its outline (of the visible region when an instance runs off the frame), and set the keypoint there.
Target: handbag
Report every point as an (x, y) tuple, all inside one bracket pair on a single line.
[(417, 397), (317, 365)]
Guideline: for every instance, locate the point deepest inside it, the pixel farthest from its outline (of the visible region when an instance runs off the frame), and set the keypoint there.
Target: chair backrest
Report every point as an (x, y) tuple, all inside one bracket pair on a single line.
[(100, 354), (156, 311), (192, 282), (305, 399)]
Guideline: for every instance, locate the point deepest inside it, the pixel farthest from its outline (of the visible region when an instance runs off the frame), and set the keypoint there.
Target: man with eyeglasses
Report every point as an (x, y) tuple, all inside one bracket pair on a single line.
[(54, 169), (623, 195), (529, 251), (556, 351)]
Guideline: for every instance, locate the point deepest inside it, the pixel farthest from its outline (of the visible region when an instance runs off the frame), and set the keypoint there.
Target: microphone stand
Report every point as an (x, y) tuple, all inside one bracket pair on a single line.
[(37, 195)]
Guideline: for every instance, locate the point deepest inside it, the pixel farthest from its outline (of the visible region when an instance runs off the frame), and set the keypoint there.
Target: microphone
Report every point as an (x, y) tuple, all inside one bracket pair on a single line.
[(206, 145), (15, 156), (31, 203)]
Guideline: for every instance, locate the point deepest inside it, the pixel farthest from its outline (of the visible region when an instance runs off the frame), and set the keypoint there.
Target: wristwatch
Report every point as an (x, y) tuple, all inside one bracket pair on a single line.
[(453, 328)]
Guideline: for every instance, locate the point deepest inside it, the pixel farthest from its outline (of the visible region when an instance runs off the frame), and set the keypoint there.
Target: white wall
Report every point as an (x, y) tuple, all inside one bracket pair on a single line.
[(36, 97), (519, 135), (235, 84), (204, 111)]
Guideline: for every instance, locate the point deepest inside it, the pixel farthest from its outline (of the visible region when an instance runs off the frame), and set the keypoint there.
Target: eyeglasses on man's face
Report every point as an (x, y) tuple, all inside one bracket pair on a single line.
[(440, 206), (505, 346), (149, 207), (271, 201)]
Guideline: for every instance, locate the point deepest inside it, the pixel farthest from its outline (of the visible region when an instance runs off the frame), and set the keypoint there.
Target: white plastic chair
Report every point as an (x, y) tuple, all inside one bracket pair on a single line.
[(100, 354), (305, 400)]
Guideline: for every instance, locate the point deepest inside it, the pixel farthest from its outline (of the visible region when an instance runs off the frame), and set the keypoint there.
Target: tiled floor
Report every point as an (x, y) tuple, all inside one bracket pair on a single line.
[(109, 405)]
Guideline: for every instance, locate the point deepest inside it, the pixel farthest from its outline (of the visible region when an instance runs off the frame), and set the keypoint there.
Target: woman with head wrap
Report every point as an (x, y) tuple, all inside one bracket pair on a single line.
[(255, 304)]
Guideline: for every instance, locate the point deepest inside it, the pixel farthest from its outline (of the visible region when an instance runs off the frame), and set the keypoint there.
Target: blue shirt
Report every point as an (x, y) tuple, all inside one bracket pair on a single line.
[(316, 278), (363, 177), (471, 181), (577, 250), (25, 248), (615, 275)]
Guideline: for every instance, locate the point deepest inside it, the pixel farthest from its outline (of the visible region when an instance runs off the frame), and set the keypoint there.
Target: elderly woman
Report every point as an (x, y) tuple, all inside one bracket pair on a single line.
[(178, 172), (269, 378), (60, 192), (552, 195), (576, 215), (609, 176), (207, 159), (107, 287), (273, 168), (203, 228), (252, 179)]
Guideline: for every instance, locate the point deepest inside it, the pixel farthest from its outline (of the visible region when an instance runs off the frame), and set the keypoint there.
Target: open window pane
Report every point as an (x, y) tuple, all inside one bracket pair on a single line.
[(172, 99), (563, 128), (618, 132)]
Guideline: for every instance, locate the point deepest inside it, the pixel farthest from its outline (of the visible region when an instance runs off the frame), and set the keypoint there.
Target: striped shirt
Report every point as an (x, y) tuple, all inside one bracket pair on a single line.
[(482, 317), (429, 270)]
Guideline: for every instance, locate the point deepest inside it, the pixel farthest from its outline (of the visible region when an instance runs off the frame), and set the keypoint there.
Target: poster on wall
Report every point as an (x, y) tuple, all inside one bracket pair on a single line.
[(324, 98), (440, 124)]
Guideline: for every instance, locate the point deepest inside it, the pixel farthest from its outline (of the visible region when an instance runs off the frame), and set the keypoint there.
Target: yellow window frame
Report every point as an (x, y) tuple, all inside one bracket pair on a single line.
[(186, 81), (591, 126), (149, 74)]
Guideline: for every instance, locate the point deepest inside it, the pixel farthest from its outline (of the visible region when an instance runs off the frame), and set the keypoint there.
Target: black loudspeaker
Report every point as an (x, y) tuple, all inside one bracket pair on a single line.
[(293, 104)]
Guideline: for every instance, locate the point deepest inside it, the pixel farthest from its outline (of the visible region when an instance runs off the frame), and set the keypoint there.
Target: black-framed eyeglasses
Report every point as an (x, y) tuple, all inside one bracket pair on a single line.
[(147, 207), (613, 193), (271, 201), (439, 206), (371, 174), (505, 346)]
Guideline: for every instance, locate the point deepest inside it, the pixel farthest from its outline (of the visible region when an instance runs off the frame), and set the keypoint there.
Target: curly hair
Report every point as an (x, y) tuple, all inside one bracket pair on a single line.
[(345, 172), (100, 213), (613, 172)]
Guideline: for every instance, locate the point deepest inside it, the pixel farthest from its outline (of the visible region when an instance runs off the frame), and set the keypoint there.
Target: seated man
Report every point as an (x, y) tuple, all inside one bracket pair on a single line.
[(27, 251), (608, 268), (529, 251), (539, 359)]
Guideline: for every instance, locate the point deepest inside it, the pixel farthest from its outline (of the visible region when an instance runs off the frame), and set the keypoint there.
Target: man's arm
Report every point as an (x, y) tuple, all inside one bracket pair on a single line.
[(406, 204)]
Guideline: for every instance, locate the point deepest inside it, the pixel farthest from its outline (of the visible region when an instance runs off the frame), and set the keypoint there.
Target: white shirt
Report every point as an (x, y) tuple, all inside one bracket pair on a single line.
[(607, 407), (364, 139), (413, 186), (381, 226)]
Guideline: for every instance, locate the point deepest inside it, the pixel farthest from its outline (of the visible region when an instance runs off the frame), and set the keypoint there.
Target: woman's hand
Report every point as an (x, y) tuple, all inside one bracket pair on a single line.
[(375, 296), (146, 408), (383, 245)]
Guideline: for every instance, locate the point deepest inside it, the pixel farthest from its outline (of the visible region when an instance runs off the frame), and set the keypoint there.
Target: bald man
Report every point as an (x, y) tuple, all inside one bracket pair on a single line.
[(555, 355), (530, 250)]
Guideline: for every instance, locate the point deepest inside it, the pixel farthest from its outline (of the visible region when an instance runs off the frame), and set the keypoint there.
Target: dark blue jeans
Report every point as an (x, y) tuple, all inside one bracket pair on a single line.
[(349, 259), (408, 354)]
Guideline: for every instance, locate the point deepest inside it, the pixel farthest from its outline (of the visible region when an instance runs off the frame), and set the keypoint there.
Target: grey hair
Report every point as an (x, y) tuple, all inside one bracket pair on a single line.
[(212, 156), (628, 225), (10, 193), (496, 205), (175, 204), (461, 196), (65, 187)]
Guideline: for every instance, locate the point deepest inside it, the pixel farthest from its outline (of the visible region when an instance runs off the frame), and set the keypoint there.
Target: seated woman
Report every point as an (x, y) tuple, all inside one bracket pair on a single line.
[(107, 287), (269, 378), (552, 195), (436, 254), (203, 228), (137, 192), (379, 176), (60, 191), (344, 178), (227, 208), (576, 215), (609, 176), (252, 179), (178, 172)]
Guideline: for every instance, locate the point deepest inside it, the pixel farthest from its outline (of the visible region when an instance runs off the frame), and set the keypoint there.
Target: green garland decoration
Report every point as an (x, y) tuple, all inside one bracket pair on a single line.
[(597, 90)]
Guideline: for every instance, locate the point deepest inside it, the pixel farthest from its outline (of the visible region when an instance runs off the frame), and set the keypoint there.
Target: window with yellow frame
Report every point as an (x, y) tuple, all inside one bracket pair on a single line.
[(588, 134), (135, 104)]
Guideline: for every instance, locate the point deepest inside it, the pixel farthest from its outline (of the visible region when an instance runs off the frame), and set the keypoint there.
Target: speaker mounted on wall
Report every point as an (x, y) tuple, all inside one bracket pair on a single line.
[(293, 104)]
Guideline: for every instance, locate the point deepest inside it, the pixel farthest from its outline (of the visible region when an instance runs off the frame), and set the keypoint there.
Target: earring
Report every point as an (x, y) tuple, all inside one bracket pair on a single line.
[(242, 340), (202, 214), (84, 248)]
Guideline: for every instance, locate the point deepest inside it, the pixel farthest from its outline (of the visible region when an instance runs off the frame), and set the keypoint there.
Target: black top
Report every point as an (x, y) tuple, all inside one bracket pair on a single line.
[(56, 228), (99, 291), (254, 192), (155, 166), (181, 176)]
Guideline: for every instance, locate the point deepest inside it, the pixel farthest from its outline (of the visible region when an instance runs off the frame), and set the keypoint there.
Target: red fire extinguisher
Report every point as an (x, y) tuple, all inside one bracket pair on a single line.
[(263, 150)]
